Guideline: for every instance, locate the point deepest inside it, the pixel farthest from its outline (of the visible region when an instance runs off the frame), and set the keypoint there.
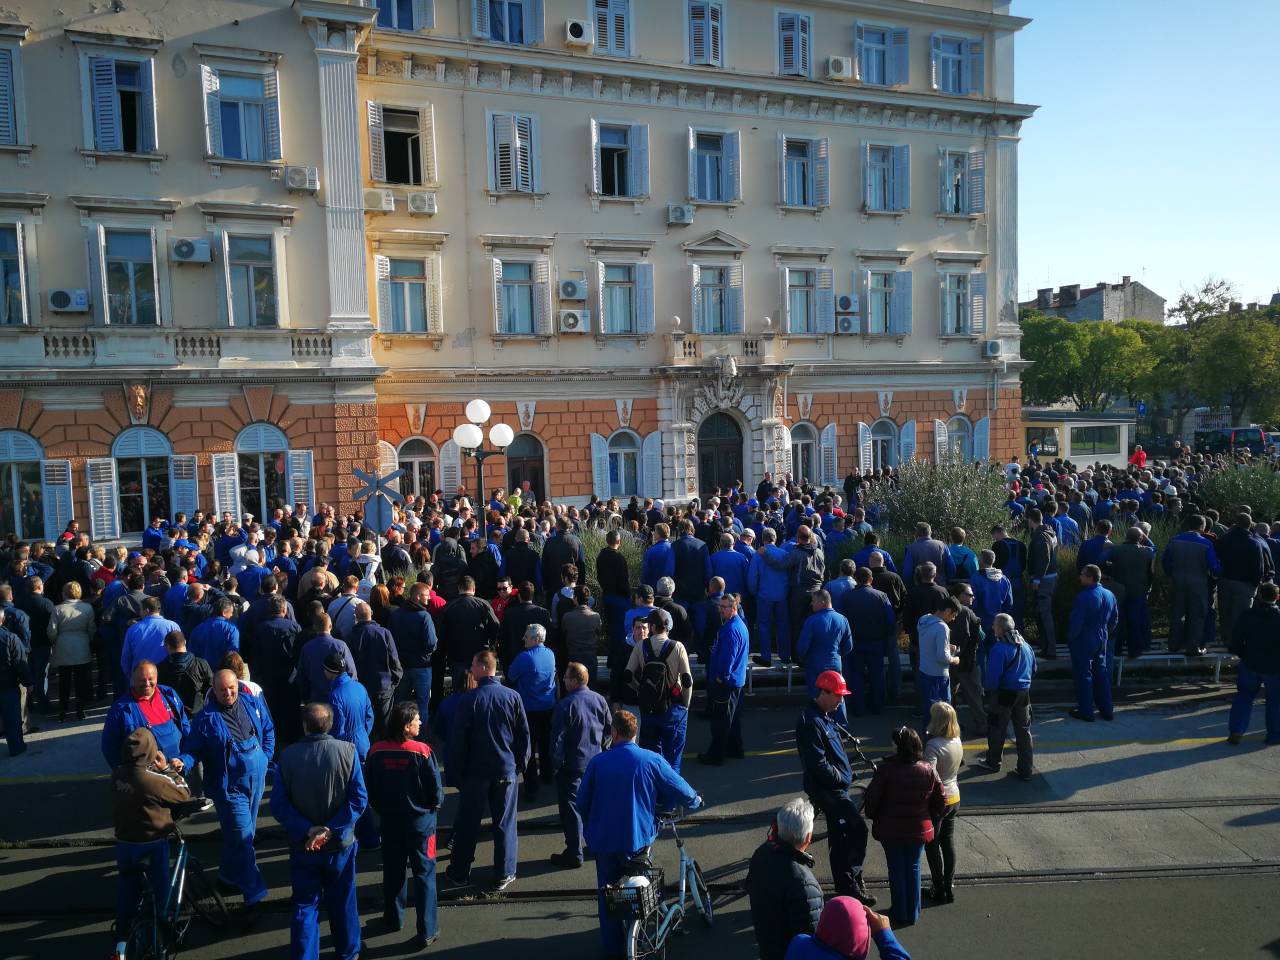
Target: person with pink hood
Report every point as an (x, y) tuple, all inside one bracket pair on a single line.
[(845, 931)]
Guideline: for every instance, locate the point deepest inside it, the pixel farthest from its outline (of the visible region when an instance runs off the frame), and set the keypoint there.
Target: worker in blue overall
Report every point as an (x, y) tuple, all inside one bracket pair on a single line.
[(148, 704), (1093, 618), (824, 641)]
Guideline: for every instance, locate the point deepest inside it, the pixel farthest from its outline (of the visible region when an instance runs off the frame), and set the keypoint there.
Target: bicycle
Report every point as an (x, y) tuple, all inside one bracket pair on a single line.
[(858, 760), (650, 919), (158, 929)]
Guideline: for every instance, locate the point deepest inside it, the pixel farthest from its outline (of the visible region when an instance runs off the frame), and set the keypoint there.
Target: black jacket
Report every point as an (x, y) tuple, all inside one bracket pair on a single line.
[(14, 669), (1244, 557), (415, 634), (693, 567), (404, 785), (1257, 638), (467, 626), (826, 765), (785, 897), (681, 625), (515, 620), (190, 676), (891, 585), (522, 564), (966, 633), (561, 549), (276, 645), (39, 610), (923, 598), (612, 573)]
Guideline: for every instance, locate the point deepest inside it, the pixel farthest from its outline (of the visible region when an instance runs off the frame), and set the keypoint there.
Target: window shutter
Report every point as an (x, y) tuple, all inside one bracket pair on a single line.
[(645, 320), (935, 52), (975, 67), (862, 283), (788, 40), (735, 318), (377, 154), (300, 465), (184, 492), (732, 188), (693, 164), (638, 159), (900, 304), (104, 504), (147, 135), (944, 182), (784, 280), (542, 296), (902, 177), (424, 14), (435, 294), (866, 175), (106, 106), (226, 483), (977, 304), (96, 243), (621, 15), (651, 471), (212, 110), (388, 459), (804, 59), (155, 274), (427, 143), (24, 302), (859, 51), (907, 442), (499, 307), (55, 494), (8, 101), (602, 25), (502, 169), (450, 467), (940, 444), (224, 288), (382, 269), (698, 33), (533, 30), (596, 178), (825, 302), (600, 466), (865, 456), (783, 196), (531, 155), (695, 298), (977, 181), (271, 115), (899, 57), (822, 172), (715, 35), (982, 440), (597, 296), (830, 464), (944, 302), (479, 22)]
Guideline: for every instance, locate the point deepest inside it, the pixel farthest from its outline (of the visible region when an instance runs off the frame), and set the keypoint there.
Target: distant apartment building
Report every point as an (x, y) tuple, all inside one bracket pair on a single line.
[(1126, 300)]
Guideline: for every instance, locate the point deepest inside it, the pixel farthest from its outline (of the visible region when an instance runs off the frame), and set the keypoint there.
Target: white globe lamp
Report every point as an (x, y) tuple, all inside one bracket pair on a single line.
[(478, 411)]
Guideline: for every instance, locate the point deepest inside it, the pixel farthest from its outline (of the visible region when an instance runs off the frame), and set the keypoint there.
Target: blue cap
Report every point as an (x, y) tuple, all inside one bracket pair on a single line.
[(753, 503)]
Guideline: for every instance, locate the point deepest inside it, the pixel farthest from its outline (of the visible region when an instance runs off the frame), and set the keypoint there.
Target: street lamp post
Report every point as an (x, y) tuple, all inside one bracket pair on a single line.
[(470, 440)]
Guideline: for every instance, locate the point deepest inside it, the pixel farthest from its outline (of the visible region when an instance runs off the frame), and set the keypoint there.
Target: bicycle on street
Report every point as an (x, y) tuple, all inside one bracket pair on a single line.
[(638, 898)]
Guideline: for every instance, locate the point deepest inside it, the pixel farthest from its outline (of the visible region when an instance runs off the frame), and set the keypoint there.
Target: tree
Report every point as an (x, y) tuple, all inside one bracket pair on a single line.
[(1048, 342), (1088, 363), (1234, 359), (1211, 299)]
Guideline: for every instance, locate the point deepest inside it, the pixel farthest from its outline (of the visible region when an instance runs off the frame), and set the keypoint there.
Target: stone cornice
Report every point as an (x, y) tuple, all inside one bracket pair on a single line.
[(103, 38), (23, 201), (276, 212), (216, 51), (914, 9), (14, 31), (134, 205)]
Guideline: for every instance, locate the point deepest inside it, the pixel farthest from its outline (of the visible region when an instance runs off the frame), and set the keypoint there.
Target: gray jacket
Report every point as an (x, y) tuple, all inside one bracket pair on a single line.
[(314, 774), (1042, 553)]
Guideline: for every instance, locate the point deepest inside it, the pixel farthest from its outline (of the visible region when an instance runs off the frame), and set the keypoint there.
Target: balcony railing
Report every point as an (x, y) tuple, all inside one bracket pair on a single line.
[(122, 346), (691, 348)]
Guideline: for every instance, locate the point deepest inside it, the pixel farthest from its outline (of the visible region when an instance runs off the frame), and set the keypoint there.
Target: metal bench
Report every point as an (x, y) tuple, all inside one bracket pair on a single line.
[(1217, 656)]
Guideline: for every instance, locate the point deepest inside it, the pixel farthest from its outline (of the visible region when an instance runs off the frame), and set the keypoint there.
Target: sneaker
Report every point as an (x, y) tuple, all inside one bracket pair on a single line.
[(503, 883), (1080, 715), (986, 764), (1234, 738), (420, 943), (565, 861), (760, 661)]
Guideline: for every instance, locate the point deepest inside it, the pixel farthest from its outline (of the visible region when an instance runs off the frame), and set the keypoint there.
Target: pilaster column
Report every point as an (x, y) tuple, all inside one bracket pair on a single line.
[(1004, 217)]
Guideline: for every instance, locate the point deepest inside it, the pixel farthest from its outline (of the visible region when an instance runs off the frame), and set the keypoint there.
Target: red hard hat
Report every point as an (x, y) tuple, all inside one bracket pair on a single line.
[(832, 682)]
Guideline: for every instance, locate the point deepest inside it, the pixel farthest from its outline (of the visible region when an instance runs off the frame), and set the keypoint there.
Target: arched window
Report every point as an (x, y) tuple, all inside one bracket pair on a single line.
[(21, 500), (884, 444), (262, 469), (960, 438), (804, 452), (525, 461), (142, 477), (418, 461), (624, 464)]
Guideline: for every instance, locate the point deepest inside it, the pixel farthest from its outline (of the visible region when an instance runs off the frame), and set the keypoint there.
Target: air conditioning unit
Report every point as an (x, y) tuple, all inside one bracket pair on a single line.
[(846, 325), (847, 303), (575, 321), (991, 348), (190, 250), (302, 179), (578, 33), (422, 203), (69, 301), (839, 68), (680, 214), (383, 201), (573, 290)]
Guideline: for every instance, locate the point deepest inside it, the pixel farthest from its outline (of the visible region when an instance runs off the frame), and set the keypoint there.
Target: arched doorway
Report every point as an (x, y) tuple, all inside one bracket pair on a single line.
[(719, 452), (526, 461)]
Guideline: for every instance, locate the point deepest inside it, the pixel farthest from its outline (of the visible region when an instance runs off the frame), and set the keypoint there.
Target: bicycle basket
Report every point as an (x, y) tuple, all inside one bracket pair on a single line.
[(625, 900)]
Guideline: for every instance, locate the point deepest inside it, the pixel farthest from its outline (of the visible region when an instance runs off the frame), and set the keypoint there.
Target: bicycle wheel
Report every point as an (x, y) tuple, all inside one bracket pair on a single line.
[(202, 897), (145, 941), (701, 893), (642, 938)]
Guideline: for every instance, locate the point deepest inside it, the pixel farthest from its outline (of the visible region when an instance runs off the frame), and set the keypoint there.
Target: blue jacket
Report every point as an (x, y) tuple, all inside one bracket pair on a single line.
[(415, 635), (872, 622), (824, 639), (142, 641), (489, 733), (766, 581), (213, 639), (1094, 550), (533, 674), (808, 947), (991, 596), (209, 742), (377, 660), (312, 683), (929, 551), (659, 561), (692, 562), (153, 537), (823, 759), (838, 588), (352, 713), (441, 727), (732, 567), (1190, 554), (964, 560), (729, 654), (125, 716), (1093, 616), (1244, 557), (621, 791), (172, 602), (863, 558), (1010, 665), (249, 580), (579, 726), (299, 764)]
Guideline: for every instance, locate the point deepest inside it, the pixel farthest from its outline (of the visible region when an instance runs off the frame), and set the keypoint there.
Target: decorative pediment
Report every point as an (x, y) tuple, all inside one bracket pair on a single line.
[(716, 244)]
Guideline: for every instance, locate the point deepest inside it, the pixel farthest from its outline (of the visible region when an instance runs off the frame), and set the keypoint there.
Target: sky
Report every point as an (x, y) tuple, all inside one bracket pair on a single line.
[(1156, 149)]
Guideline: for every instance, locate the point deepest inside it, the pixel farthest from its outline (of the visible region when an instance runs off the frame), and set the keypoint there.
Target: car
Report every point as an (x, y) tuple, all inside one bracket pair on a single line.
[(1228, 439)]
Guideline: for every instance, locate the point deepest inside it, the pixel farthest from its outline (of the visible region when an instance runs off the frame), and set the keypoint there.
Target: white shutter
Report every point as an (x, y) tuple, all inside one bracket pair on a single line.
[(424, 14), (597, 270), (862, 283), (865, 455), (8, 101), (596, 178), (982, 440), (382, 269), (645, 320), (732, 188), (155, 274), (901, 177), (300, 466), (435, 294), (947, 323), (450, 467), (388, 459), (104, 503), (822, 172), (528, 155), (184, 490), (226, 483), (271, 115), (651, 457), (935, 52), (147, 133), (600, 466), (899, 57), (907, 442), (499, 307), (479, 23), (977, 304), (784, 280), (900, 304), (542, 296), (55, 494), (944, 182), (224, 288), (96, 243), (940, 441), (859, 50), (24, 303), (502, 167), (830, 455), (638, 159), (212, 110), (735, 316), (695, 298), (377, 153), (977, 181), (106, 105), (975, 69), (825, 300), (693, 164), (427, 143)]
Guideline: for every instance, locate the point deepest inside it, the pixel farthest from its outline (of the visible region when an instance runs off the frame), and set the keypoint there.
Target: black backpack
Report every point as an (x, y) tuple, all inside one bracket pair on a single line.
[(654, 690)]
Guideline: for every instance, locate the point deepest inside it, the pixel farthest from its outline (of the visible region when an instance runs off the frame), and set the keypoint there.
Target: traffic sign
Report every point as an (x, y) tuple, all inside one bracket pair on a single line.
[(1142, 408), (375, 484), (378, 514)]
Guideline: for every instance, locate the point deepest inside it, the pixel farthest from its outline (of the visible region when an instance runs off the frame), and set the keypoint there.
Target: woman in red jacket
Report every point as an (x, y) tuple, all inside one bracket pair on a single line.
[(904, 800)]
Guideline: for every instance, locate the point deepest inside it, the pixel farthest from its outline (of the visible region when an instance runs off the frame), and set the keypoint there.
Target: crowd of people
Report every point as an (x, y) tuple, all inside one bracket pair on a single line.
[(313, 647)]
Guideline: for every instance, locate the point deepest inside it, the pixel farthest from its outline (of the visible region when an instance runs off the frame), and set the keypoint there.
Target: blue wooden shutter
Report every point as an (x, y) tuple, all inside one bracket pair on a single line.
[(977, 181), (866, 175), (530, 135), (226, 483), (424, 14), (902, 177), (859, 51), (104, 502), (825, 300), (377, 153), (900, 304), (783, 193), (907, 442), (147, 134), (598, 299), (300, 467), (450, 467), (479, 28), (596, 178), (804, 46), (977, 303), (600, 466), (271, 115), (735, 318), (106, 105), (784, 281), (184, 492), (731, 189), (8, 101), (503, 162), (645, 321), (715, 34), (899, 57), (651, 455), (533, 29), (542, 296), (935, 54), (693, 164), (698, 17), (499, 304), (975, 68), (982, 439), (822, 172), (56, 495), (830, 454), (638, 159), (862, 284)]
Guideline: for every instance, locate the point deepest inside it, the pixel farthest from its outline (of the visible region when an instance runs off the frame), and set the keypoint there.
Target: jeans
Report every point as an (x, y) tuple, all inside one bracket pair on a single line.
[(500, 797), (998, 718), (773, 625), (40, 676), (1092, 680), (846, 838), (128, 888), (403, 846), (11, 711), (903, 860), (726, 721), (329, 876), (1248, 684), (417, 683), (665, 734), (864, 673), (567, 783), (941, 850), (540, 752)]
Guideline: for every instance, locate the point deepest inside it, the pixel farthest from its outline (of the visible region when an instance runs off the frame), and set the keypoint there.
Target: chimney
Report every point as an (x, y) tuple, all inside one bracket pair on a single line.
[(1253, 306), (1102, 284), (1126, 280), (1044, 298), (1235, 307), (1069, 294)]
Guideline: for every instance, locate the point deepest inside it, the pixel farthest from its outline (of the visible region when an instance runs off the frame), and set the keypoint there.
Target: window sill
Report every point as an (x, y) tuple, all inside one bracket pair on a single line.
[(958, 216), (496, 195), (501, 338), (604, 338), (405, 187), (959, 337), (272, 165), (867, 213), (21, 150), (725, 204), (91, 157), (815, 211), (598, 198), (883, 337)]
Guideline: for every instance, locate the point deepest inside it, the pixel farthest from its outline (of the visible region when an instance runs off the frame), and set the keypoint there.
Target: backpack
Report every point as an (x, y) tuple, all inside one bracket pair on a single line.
[(654, 690), (187, 685)]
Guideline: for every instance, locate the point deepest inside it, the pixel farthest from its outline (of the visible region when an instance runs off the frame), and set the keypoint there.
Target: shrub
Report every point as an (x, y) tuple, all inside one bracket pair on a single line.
[(1255, 484), (944, 495), (593, 542)]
